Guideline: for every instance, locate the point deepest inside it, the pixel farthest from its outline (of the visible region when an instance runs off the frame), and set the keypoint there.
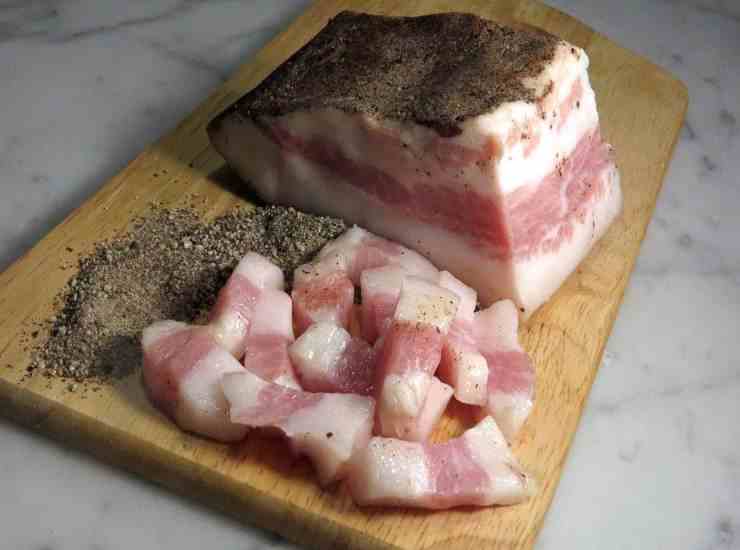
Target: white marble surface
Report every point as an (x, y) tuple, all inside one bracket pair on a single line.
[(85, 84)]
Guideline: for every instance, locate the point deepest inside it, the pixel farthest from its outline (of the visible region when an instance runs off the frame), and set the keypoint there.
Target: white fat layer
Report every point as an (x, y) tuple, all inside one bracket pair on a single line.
[(317, 351), (201, 405), (470, 377), (391, 471), (347, 243), (495, 328), (379, 285), (260, 271), (352, 241), (423, 302), (417, 265), (273, 315), (510, 411), (229, 330), (287, 380), (467, 295), (241, 390), (438, 397), (386, 280), (488, 447), (487, 444), (332, 263), (401, 400), (327, 314), (329, 431)]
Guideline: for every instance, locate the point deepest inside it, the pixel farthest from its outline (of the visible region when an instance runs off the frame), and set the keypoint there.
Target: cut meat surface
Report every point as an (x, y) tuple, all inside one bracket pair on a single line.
[(410, 355), (511, 376), (380, 288), (497, 172), (468, 298), (232, 314), (183, 366), (328, 428), (476, 469), (426, 304), (438, 397), (322, 292), (328, 359), (362, 251), (270, 334), (462, 365)]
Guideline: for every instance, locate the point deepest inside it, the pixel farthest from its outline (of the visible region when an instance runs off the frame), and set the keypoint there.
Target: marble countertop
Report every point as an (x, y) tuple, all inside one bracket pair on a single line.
[(84, 86)]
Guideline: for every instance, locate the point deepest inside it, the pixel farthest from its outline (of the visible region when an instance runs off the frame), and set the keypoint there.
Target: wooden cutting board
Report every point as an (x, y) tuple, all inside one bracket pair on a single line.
[(642, 109)]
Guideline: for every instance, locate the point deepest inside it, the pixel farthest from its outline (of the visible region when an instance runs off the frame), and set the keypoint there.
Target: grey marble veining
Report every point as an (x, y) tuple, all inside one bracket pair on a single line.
[(85, 85)]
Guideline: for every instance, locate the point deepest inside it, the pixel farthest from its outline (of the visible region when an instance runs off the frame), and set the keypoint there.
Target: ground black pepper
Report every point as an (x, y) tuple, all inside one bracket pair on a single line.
[(169, 266), (436, 70)]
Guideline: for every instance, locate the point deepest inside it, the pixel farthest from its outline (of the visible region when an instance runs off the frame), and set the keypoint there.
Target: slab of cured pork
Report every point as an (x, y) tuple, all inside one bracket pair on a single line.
[(476, 144)]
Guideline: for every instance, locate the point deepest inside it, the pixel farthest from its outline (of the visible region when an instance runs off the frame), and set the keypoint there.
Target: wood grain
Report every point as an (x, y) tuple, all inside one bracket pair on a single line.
[(642, 109)]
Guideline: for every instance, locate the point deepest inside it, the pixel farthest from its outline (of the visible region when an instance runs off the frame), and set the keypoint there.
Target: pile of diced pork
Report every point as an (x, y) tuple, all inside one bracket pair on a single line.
[(362, 386)]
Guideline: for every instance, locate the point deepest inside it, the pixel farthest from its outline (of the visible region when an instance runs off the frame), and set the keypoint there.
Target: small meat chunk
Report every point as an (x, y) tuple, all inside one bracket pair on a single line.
[(476, 469), (270, 334), (380, 288), (410, 354), (232, 314), (322, 292), (183, 366), (511, 376), (363, 250), (329, 428), (462, 365), (328, 359)]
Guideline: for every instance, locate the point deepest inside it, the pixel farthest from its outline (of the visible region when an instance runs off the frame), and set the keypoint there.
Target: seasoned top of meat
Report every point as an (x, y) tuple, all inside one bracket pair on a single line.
[(436, 70)]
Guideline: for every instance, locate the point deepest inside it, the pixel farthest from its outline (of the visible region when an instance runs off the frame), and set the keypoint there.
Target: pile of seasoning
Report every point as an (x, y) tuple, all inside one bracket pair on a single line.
[(170, 265)]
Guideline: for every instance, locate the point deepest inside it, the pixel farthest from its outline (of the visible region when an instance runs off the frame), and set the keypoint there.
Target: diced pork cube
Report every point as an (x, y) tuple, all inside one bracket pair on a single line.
[(232, 314), (486, 157), (468, 298), (435, 404), (511, 376), (270, 334), (322, 292), (363, 250), (462, 365), (328, 359), (426, 303), (183, 366), (379, 288), (328, 428), (410, 354), (476, 469)]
